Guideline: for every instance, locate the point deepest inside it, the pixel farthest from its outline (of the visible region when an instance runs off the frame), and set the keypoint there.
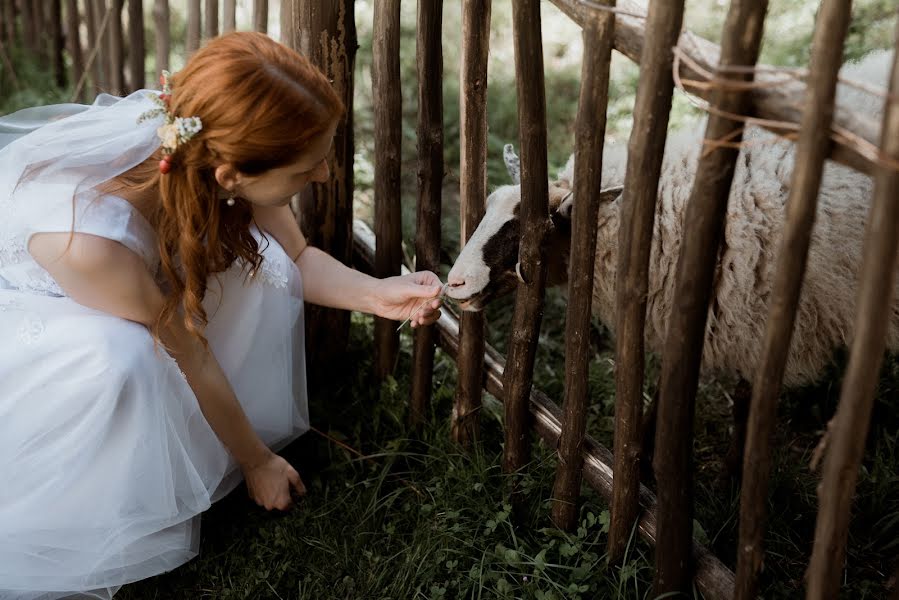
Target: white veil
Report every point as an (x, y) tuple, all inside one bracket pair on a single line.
[(74, 145)]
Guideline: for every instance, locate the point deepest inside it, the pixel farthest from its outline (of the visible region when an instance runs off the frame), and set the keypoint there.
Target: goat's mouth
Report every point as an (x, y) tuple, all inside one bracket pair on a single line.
[(477, 301), (474, 303)]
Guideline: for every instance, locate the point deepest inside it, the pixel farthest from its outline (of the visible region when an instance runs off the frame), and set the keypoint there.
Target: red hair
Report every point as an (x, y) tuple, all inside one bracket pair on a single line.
[(261, 104)]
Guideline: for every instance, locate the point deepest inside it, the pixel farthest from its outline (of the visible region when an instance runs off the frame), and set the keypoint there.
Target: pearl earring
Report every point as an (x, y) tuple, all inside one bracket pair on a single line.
[(230, 201)]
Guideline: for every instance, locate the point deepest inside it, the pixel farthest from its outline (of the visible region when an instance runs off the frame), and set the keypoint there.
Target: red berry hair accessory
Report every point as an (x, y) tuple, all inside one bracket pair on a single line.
[(175, 130)]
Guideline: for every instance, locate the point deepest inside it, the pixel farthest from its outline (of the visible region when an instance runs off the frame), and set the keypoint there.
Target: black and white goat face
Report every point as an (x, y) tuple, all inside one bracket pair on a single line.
[(487, 266)]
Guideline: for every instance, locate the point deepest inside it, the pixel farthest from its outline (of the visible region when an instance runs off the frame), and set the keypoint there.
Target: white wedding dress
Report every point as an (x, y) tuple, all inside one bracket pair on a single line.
[(106, 461)]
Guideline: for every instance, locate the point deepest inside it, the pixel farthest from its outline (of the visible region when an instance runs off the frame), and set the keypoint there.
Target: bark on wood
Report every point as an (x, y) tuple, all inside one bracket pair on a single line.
[(29, 35), (850, 428), (138, 50), (782, 102), (260, 15), (229, 16), (211, 19), (326, 34), (57, 42), (812, 148), (589, 135), (528, 313), (116, 56), (41, 39), (94, 11), (194, 25), (713, 579), (429, 58), (472, 193), (682, 352), (645, 149), (385, 75), (73, 42), (9, 22), (162, 20)]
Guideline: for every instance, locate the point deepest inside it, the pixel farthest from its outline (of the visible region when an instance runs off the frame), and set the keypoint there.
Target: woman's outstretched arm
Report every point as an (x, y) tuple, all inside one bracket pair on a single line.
[(328, 282)]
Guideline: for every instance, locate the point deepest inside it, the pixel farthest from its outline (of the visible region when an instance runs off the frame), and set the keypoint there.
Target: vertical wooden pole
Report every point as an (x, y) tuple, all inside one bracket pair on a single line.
[(57, 42), (116, 40), (28, 32), (9, 22), (93, 34), (385, 76), (813, 147), (194, 25), (41, 40), (429, 60), (325, 32), (101, 58), (138, 51), (229, 18), (590, 128), (465, 427), (73, 43), (260, 15), (519, 373), (850, 425), (211, 16), (682, 352), (162, 20), (638, 209)]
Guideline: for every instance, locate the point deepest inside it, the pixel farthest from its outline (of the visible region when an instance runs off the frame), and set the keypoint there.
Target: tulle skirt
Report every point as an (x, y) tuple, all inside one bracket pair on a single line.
[(105, 458)]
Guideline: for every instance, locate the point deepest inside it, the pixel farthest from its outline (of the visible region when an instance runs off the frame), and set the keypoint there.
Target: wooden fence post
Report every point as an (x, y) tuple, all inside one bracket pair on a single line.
[(260, 15), (589, 137), (812, 148), (28, 32), (138, 51), (429, 60), (73, 44), (57, 42), (385, 76), (116, 56), (325, 32), (211, 18), (850, 425), (465, 426), (194, 25), (161, 18), (682, 351), (9, 22), (519, 374), (638, 209), (229, 18)]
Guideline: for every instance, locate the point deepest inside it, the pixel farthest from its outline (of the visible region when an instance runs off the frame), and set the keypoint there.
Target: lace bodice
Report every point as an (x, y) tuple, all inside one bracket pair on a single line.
[(45, 208)]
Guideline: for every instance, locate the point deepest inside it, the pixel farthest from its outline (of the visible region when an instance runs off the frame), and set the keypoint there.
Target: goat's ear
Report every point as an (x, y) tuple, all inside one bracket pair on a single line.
[(610, 194), (513, 163)]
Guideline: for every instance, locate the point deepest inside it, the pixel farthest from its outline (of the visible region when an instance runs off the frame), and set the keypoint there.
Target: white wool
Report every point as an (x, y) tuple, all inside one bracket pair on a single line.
[(752, 238)]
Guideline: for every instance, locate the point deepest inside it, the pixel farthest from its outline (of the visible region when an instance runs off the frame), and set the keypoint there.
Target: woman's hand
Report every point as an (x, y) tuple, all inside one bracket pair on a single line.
[(270, 482), (415, 296)]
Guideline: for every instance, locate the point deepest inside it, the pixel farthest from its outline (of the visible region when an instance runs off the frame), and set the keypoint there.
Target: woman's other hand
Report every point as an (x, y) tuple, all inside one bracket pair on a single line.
[(270, 482), (415, 296)]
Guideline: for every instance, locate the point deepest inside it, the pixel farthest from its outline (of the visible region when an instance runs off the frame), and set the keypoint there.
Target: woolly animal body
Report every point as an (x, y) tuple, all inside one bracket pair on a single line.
[(747, 260)]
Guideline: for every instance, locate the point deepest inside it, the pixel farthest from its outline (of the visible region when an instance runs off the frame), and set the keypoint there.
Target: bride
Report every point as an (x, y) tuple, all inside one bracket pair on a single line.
[(152, 280)]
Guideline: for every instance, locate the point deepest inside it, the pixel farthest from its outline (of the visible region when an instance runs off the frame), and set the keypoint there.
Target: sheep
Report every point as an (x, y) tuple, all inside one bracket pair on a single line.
[(486, 266)]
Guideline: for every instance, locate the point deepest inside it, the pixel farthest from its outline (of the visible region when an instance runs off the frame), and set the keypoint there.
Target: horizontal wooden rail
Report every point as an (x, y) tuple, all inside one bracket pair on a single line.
[(782, 102), (713, 579)]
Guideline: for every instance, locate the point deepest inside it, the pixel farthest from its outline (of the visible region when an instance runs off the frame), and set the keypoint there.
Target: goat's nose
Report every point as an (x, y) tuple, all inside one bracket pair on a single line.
[(455, 280)]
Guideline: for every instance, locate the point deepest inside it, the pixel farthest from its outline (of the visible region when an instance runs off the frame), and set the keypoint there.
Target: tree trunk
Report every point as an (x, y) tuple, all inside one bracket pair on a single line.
[(194, 24), (73, 44), (57, 42), (326, 34), (116, 49), (161, 18), (137, 54), (230, 16), (260, 14), (212, 18)]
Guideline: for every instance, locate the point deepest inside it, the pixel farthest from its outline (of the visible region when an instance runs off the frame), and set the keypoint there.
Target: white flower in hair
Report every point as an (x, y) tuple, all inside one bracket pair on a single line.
[(175, 130)]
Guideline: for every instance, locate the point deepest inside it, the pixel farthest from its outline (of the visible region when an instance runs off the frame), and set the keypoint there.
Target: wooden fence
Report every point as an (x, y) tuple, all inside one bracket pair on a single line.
[(325, 32)]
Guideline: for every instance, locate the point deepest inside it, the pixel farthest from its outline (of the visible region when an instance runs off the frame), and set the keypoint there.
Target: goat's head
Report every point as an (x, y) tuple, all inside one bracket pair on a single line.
[(487, 266)]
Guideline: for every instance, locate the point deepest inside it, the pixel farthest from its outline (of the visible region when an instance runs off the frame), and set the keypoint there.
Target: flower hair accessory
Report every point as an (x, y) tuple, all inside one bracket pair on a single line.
[(175, 130)]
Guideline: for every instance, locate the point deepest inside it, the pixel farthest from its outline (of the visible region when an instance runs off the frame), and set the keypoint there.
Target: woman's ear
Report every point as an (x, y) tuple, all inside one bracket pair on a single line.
[(227, 176)]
